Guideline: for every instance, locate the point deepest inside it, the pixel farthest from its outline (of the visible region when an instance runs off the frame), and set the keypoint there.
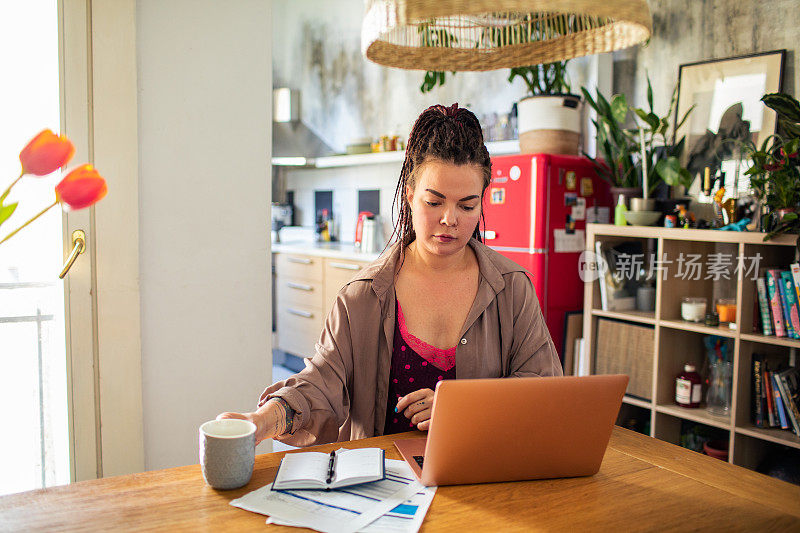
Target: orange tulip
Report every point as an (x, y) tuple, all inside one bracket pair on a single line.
[(46, 153), (81, 188)]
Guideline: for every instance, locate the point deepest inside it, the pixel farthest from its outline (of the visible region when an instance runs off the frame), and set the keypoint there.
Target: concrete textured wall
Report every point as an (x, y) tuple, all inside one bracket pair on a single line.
[(317, 49), (686, 31)]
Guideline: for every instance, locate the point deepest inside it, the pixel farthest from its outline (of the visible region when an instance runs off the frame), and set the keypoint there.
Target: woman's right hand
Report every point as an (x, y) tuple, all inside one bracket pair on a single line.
[(267, 420)]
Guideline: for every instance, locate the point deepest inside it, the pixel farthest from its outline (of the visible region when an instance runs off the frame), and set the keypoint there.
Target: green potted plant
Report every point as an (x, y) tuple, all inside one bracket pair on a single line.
[(549, 117), (614, 161), (775, 174), (648, 148)]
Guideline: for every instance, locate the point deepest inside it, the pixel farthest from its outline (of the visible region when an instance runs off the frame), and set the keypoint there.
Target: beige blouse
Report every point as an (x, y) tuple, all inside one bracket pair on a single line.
[(342, 393)]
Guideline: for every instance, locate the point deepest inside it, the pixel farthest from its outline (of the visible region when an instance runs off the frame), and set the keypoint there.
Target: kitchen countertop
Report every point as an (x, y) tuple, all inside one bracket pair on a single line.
[(336, 250)]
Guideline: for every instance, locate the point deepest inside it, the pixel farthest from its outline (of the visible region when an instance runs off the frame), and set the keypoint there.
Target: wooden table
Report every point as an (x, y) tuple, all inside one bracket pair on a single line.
[(643, 484)]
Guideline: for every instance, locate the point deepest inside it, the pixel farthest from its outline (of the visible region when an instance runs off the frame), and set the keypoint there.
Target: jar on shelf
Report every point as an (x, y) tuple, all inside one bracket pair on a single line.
[(718, 401), (726, 309), (693, 309), (712, 319), (688, 388)]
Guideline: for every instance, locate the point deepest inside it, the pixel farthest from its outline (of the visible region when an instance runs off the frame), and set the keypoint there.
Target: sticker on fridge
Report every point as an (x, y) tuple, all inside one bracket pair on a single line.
[(598, 215), (586, 187), (569, 243), (570, 199), (497, 195), (571, 180), (579, 209)]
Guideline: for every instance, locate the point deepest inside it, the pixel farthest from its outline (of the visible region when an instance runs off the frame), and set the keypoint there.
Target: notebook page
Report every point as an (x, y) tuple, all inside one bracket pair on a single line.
[(364, 462), (305, 465)]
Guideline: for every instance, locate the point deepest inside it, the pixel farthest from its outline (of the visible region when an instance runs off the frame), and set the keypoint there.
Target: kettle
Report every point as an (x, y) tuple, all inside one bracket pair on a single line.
[(369, 235), (362, 216)]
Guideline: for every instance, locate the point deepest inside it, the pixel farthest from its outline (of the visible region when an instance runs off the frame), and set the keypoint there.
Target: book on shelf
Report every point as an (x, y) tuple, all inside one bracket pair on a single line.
[(757, 411), (763, 306), (582, 362), (322, 471), (789, 382), (766, 413), (774, 297), (794, 268), (787, 299), (776, 395), (791, 302), (772, 413)]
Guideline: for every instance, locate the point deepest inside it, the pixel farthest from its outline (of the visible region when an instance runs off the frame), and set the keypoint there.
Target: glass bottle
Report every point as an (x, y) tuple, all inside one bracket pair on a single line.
[(688, 388), (718, 401), (619, 212)]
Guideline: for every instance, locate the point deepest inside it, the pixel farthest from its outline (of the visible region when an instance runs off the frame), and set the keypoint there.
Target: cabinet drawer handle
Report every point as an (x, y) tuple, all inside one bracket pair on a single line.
[(299, 286), (300, 260), (304, 314), (345, 266)]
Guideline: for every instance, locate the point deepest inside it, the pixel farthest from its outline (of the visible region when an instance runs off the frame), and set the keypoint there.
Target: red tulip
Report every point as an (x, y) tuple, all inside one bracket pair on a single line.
[(46, 153), (81, 188)]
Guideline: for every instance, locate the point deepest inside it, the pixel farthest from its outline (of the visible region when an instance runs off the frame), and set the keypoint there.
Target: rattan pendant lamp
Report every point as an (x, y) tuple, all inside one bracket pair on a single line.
[(456, 35)]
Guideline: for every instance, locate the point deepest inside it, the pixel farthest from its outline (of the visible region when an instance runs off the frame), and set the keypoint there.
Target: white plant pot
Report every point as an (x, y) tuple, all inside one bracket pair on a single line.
[(549, 124)]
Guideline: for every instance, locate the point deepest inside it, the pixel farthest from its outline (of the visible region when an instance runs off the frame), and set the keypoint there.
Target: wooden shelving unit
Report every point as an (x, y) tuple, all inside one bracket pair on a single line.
[(677, 342)]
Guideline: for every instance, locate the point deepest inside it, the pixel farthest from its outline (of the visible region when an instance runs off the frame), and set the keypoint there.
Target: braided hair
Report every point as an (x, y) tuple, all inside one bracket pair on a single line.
[(447, 134)]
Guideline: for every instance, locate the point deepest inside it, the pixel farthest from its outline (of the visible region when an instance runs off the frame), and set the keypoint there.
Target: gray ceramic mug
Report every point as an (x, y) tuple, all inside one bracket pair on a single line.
[(227, 452)]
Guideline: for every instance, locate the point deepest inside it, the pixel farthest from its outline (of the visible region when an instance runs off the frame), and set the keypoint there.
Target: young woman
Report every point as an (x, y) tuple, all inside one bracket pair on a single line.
[(437, 305)]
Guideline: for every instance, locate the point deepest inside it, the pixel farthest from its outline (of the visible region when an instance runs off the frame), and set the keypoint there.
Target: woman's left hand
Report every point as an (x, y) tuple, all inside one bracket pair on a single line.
[(416, 406)]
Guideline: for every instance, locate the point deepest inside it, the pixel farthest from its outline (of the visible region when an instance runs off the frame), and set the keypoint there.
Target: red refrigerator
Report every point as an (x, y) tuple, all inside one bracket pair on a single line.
[(536, 209)]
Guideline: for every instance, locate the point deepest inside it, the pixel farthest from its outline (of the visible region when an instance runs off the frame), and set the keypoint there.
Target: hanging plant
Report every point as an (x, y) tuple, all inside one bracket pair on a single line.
[(438, 37)]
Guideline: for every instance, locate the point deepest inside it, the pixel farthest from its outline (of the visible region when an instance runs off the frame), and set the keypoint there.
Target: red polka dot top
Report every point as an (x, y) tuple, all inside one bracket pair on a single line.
[(415, 365)]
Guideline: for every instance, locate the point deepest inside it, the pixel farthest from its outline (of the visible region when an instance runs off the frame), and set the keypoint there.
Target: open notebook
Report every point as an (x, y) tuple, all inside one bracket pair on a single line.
[(340, 468)]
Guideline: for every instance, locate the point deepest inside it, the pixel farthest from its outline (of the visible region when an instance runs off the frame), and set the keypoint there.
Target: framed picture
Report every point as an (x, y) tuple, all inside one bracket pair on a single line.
[(726, 94)]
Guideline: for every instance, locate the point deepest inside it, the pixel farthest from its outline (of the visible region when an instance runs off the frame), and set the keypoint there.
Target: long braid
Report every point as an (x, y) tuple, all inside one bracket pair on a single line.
[(449, 134)]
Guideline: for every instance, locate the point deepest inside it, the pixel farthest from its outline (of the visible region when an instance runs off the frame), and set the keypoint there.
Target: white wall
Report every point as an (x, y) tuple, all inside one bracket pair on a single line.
[(204, 111), (345, 182)]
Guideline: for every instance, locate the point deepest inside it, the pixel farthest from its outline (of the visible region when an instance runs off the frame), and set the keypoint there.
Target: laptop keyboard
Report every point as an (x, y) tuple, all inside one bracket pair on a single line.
[(419, 459)]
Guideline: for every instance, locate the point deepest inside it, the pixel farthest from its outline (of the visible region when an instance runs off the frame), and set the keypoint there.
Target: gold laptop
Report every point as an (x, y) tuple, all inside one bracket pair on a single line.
[(509, 429)]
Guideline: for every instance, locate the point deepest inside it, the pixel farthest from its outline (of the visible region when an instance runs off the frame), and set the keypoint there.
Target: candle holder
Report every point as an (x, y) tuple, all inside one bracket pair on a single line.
[(693, 309)]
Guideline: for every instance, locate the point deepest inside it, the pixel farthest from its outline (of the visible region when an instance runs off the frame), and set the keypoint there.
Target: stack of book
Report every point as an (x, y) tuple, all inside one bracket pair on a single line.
[(779, 302), (776, 396)]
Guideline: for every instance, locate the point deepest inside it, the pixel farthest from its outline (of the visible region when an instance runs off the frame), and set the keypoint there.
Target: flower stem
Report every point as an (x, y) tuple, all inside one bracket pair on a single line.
[(8, 189), (40, 213)]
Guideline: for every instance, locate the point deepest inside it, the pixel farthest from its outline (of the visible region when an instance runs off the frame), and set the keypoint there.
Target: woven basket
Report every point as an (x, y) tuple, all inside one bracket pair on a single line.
[(451, 35), (624, 348)]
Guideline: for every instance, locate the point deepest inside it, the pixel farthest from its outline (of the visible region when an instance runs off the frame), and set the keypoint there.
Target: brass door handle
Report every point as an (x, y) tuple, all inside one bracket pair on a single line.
[(78, 247)]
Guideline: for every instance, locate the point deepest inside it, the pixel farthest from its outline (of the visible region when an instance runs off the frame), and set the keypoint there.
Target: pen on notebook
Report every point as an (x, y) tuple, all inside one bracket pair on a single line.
[(330, 467)]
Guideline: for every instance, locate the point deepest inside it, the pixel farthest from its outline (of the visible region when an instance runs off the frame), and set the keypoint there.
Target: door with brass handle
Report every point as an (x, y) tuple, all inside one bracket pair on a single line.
[(78, 247)]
